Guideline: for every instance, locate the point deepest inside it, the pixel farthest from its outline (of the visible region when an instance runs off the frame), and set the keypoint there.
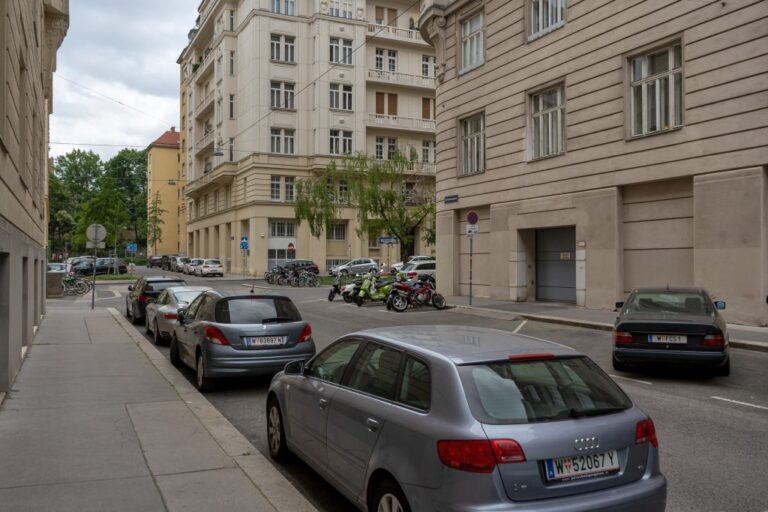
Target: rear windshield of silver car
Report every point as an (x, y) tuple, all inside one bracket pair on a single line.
[(258, 310), (519, 392), (670, 302), (156, 286)]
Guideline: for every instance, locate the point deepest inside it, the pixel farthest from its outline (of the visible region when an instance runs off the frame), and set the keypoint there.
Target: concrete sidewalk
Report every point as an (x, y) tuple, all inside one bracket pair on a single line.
[(742, 336), (99, 420)]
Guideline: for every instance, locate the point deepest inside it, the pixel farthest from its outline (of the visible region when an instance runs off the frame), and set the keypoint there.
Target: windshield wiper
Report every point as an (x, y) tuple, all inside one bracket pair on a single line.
[(276, 320), (582, 413)]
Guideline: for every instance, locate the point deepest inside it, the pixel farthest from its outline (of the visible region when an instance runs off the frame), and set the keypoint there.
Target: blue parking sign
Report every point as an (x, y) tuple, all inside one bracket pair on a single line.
[(244, 243), (132, 247)]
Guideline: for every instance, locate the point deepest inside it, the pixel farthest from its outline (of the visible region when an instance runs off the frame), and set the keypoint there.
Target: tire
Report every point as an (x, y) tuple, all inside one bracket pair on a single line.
[(347, 298), (438, 301), (725, 370), (399, 303), (344, 272), (331, 296), (278, 449), (202, 383), (134, 320), (147, 330), (359, 301), (173, 352), (157, 338), (388, 497), (618, 365)]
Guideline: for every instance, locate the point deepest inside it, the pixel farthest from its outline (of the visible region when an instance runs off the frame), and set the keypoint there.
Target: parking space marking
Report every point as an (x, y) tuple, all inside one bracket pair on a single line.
[(517, 329), (631, 380), (738, 402)]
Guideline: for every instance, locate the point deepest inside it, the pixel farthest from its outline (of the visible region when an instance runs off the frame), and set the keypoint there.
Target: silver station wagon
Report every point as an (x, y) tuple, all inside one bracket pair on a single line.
[(449, 418)]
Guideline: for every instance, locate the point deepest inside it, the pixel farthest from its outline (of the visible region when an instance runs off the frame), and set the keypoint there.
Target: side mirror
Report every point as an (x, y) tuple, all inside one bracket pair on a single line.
[(720, 304), (180, 314), (294, 368), (130, 287)]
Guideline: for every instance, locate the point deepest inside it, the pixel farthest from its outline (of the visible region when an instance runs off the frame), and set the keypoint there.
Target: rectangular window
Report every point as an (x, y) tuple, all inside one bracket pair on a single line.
[(473, 145), (392, 60), (231, 20), (391, 148), (341, 51), (379, 61), (546, 15), (282, 229), (379, 148), (656, 91), (472, 43), (428, 151), (282, 95), (276, 6), (290, 7), (274, 188), (289, 189), (427, 108), (231, 149), (281, 140), (282, 48), (231, 63), (343, 192), (548, 122), (341, 142), (337, 231), (231, 106), (427, 66), (341, 9), (341, 97)]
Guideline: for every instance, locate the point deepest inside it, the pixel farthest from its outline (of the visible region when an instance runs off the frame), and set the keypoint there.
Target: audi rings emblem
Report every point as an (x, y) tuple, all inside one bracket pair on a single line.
[(586, 443)]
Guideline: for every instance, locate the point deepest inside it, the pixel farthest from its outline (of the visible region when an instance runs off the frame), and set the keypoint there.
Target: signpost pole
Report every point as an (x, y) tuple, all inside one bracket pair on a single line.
[(93, 282), (471, 239)]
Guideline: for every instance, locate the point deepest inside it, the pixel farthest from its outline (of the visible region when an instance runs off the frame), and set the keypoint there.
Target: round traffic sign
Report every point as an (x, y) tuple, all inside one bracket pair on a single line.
[(472, 217), (96, 233), (291, 247)]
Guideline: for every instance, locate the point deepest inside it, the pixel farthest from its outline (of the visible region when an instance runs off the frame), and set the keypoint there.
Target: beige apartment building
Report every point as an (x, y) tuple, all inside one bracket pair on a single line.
[(604, 146), (273, 91), (31, 32), (164, 178)]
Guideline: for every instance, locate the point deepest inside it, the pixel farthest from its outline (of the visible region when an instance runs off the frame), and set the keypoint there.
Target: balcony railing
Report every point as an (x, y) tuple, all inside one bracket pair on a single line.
[(204, 142), (425, 167), (381, 75), (404, 123), (401, 34)]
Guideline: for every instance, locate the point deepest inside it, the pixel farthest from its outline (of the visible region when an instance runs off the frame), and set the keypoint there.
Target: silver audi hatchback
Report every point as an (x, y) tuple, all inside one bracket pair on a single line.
[(448, 418)]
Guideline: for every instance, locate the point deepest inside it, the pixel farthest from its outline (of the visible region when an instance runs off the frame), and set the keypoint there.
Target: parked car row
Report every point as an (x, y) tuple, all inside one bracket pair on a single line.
[(191, 266), (103, 266)]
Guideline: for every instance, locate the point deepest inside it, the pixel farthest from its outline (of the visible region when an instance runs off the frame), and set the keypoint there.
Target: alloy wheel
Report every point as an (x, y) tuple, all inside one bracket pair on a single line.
[(389, 503), (273, 430)]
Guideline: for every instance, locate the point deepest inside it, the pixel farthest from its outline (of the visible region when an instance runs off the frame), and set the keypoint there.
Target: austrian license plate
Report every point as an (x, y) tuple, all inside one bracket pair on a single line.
[(668, 338), (263, 341), (582, 466)]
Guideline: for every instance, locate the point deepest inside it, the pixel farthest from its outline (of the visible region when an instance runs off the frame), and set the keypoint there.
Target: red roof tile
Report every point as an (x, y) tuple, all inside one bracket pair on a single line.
[(168, 139)]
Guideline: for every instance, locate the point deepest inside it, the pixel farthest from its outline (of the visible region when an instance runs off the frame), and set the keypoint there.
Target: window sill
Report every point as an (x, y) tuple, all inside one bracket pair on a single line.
[(343, 64), (472, 174), (341, 110), (546, 157), (282, 109), (539, 35), (653, 134), (282, 62), (464, 71)]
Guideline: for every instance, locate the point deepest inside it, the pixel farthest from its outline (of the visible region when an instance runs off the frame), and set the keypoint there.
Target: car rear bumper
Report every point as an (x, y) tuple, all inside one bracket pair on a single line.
[(230, 362), (646, 495), (630, 355), (213, 271)]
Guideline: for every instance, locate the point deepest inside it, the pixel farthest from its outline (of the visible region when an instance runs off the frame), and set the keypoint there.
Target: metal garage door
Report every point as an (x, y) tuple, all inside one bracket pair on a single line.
[(556, 264)]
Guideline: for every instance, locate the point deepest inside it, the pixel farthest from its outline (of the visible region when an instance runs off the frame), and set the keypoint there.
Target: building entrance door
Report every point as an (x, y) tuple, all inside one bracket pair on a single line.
[(556, 264)]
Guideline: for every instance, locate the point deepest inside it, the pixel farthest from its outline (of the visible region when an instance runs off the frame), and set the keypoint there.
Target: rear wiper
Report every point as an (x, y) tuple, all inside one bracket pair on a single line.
[(276, 320), (576, 413)]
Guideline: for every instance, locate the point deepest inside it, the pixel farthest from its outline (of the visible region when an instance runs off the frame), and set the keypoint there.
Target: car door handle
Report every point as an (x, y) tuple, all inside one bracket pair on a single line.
[(322, 403), (372, 424)]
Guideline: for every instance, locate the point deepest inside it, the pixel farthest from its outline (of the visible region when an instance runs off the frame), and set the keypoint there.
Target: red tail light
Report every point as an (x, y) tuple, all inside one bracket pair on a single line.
[(713, 340), (479, 456), (619, 338), (215, 336), (205, 266), (142, 298), (412, 274), (306, 333), (645, 432), (170, 316)]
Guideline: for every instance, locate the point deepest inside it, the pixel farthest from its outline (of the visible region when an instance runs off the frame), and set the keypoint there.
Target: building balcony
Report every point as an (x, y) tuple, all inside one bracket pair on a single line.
[(205, 143), (205, 68), (389, 77), (222, 174), (205, 105), (422, 167), (401, 123), (396, 34)]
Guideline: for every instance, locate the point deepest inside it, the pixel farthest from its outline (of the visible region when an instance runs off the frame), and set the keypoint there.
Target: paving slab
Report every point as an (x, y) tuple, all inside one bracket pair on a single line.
[(191, 492)]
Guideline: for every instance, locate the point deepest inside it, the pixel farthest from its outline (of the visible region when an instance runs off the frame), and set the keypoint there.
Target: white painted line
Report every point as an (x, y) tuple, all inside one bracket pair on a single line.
[(764, 408), (631, 380), (517, 329)]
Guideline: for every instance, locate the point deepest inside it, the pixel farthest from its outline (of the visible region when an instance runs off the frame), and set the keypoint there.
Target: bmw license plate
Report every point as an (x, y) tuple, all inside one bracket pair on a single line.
[(263, 341), (582, 466), (673, 339)]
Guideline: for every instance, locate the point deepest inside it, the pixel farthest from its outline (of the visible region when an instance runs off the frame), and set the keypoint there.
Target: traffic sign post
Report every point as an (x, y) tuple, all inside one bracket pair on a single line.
[(244, 250), (472, 219), (95, 233)]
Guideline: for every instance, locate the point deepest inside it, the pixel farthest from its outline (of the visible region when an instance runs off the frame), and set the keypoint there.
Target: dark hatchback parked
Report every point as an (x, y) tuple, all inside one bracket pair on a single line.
[(154, 261), (671, 326), (308, 265), (144, 289)]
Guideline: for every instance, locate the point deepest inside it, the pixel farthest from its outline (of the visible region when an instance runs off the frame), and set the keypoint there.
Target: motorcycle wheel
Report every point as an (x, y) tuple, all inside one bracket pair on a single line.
[(331, 295), (359, 301), (389, 303), (399, 303), (438, 301)]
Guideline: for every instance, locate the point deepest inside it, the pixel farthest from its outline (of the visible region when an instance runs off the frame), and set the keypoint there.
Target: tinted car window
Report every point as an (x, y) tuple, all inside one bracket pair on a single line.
[(690, 303), (186, 296), (202, 310), (427, 266), (193, 308), (213, 262), (330, 364), (375, 371), (415, 389), (509, 392), (162, 298), (257, 310), (156, 286)]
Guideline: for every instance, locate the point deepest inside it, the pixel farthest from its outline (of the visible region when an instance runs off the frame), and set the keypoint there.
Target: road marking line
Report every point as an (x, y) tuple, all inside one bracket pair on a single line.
[(631, 380), (517, 329), (740, 403)]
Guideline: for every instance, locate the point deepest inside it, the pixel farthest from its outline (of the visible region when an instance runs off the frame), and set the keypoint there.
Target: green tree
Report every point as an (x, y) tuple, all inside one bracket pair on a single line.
[(78, 171), (154, 222), (128, 169), (385, 194), (62, 221), (107, 207)]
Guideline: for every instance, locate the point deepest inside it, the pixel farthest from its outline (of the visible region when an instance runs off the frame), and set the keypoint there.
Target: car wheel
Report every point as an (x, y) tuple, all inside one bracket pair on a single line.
[(127, 311), (390, 498), (174, 352), (202, 383), (344, 272), (619, 366), (147, 329), (134, 320), (278, 449), (725, 370), (157, 338)]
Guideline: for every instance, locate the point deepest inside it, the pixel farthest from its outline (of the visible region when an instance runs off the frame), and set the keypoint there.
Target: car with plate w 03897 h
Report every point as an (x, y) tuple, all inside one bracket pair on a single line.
[(453, 418)]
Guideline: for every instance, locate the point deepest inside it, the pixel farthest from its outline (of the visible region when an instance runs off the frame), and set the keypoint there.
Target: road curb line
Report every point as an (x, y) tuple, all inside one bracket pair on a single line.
[(275, 487), (749, 345)]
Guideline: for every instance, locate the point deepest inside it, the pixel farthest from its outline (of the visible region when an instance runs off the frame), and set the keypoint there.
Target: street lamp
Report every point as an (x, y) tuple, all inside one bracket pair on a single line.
[(218, 152)]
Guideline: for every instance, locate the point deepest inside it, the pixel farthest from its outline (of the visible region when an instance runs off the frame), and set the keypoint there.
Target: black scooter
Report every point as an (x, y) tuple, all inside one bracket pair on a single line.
[(335, 288)]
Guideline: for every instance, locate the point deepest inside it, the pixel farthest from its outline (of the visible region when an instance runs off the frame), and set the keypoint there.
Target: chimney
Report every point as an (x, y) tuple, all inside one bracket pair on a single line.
[(173, 128)]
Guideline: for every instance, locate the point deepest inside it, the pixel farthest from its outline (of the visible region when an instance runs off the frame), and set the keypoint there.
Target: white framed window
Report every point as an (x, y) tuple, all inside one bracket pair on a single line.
[(219, 110), (428, 151), (282, 48), (472, 42), (341, 142), (337, 231), (391, 148), (274, 188), (290, 182), (232, 63), (282, 95), (428, 66), (473, 145), (546, 15), (548, 122), (392, 60), (288, 7), (281, 140), (282, 229), (231, 106), (656, 102), (231, 149), (379, 154), (231, 20), (379, 60), (341, 51), (340, 9), (341, 97), (343, 191)]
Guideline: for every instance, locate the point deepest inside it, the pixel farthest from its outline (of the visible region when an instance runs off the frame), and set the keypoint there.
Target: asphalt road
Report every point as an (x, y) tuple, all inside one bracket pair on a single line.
[(712, 430)]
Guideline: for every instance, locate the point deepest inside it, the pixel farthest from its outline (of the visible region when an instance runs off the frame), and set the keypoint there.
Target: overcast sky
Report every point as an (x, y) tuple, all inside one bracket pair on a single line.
[(126, 51)]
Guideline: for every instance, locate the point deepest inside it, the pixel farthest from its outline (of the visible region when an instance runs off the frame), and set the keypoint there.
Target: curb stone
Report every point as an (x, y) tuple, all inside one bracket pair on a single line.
[(265, 477)]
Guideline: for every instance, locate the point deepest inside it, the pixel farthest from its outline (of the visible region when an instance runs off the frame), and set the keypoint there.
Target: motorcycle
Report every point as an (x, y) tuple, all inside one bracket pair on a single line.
[(349, 290), (335, 288), (370, 289), (417, 293)]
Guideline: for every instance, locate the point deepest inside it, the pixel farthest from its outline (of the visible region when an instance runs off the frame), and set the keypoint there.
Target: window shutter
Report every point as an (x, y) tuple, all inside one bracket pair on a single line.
[(426, 111), (392, 104), (380, 103), (392, 17)]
